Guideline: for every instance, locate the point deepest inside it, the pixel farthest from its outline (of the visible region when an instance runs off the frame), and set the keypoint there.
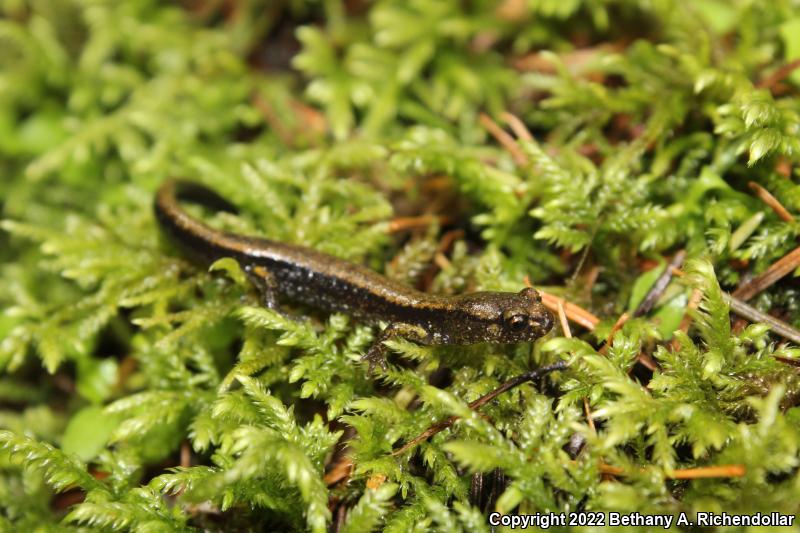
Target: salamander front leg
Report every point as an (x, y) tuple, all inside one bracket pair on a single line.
[(377, 353), (265, 283)]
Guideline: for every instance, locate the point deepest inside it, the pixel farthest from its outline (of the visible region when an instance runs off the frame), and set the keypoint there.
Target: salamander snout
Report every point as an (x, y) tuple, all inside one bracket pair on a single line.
[(525, 318)]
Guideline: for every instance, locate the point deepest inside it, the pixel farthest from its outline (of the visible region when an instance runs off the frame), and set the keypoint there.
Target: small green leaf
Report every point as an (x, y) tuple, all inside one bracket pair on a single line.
[(790, 34), (720, 16), (509, 499), (88, 432), (40, 132), (96, 379), (668, 317), (232, 268), (643, 284)]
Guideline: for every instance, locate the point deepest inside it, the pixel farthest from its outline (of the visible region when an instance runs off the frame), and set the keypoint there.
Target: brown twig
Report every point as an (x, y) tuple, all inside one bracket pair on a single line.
[(511, 10), (766, 197), (339, 471), (375, 481), (783, 166), (752, 314), (648, 361), (448, 239), (592, 274), (313, 120), (708, 471), (421, 221), (688, 473), (480, 402), (776, 271), (503, 138), (614, 329), (186, 454), (741, 308), (588, 412), (660, 285), (341, 516), (788, 360), (779, 75), (562, 318), (576, 61), (694, 301), (517, 126), (574, 312), (271, 118), (441, 261), (433, 184)]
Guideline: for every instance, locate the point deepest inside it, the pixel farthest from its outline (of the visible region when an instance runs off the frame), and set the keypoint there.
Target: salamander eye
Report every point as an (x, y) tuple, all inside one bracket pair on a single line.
[(531, 294), (518, 322)]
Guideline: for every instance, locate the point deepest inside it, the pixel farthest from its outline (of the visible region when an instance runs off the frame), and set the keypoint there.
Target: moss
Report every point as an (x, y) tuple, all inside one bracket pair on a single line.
[(140, 392)]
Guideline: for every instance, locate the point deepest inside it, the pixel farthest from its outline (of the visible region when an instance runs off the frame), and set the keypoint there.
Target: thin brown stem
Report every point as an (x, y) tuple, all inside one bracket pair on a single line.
[(480, 402), (614, 329), (775, 272), (588, 412), (660, 285), (788, 360), (503, 138), (694, 301), (688, 473), (562, 318), (752, 314), (779, 75), (574, 312), (405, 223), (517, 126), (339, 471), (766, 197)]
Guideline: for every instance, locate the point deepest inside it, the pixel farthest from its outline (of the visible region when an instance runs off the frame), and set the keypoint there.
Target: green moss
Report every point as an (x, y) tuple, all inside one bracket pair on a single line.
[(323, 121)]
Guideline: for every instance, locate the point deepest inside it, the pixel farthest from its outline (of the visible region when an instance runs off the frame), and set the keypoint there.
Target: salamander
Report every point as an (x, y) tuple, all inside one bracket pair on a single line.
[(283, 271)]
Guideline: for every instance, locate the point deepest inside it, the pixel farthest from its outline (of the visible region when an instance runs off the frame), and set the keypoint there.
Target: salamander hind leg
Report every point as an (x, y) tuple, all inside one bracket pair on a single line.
[(377, 352)]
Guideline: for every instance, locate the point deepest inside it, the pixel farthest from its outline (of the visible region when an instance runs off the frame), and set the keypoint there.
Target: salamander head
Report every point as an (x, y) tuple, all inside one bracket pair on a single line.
[(504, 317)]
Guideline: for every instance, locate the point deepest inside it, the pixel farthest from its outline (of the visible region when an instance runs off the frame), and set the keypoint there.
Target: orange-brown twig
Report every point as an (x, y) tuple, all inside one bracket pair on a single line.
[(421, 221), (562, 318), (788, 360), (689, 473), (271, 118), (708, 471), (574, 312), (614, 329), (375, 481), (441, 261), (588, 412), (647, 360), (517, 126), (186, 454), (694, 301), (503, 138), (771, 201), (776, 271), (779, 75), (783, 166), (340, 470)]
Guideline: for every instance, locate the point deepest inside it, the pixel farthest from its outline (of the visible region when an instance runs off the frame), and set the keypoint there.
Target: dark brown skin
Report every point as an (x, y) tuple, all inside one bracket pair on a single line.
[(326, 282)]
